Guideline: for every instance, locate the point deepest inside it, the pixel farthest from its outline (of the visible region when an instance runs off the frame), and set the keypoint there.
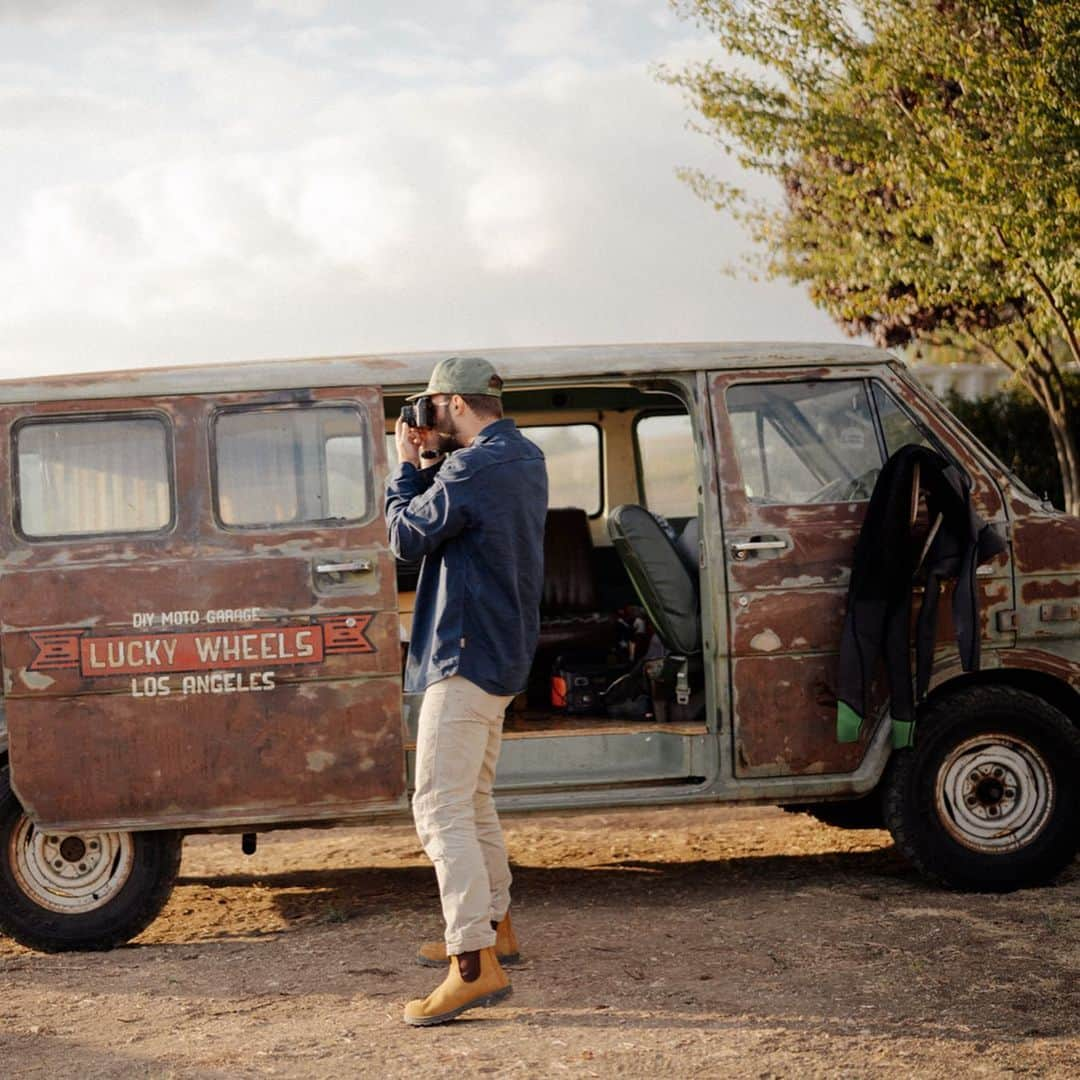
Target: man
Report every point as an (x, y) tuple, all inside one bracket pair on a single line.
[(476, 517)]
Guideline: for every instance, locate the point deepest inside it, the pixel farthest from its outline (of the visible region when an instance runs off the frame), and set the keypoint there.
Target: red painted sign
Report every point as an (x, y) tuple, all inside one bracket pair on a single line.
[(204, 650)]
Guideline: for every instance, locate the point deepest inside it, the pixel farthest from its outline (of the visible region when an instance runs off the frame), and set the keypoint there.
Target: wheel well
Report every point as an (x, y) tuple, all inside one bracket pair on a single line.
[(1052, 690)]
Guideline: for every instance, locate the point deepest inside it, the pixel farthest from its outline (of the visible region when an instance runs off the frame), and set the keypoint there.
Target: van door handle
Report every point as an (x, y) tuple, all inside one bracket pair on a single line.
[(743, 547), (357, 566)]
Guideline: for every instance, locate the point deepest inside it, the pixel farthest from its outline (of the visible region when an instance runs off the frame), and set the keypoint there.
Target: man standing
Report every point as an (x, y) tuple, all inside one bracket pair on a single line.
[(476, 517)]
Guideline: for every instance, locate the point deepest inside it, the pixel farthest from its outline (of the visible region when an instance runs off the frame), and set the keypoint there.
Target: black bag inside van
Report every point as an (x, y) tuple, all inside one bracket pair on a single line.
[(585, 684)]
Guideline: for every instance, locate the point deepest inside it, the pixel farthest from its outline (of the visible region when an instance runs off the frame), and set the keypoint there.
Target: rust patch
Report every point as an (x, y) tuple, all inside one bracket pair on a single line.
[(1037, 590), (179, 760), (1058, 659), (1047, 543), (798, 621), (785, 718)]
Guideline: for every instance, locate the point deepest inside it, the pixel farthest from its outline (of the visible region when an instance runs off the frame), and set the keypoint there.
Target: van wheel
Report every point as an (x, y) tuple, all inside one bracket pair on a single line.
[(79, 891), (988, 799)]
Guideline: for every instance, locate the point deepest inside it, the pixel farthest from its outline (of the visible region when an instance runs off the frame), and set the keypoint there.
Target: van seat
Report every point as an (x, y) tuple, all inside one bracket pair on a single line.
[(569, 619), (686, 544), (666, 582), (667, 588), (568, 572)]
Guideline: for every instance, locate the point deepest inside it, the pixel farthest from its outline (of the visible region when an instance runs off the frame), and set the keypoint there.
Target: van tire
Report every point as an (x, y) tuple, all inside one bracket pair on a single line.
[(113, 888), (988, 799)]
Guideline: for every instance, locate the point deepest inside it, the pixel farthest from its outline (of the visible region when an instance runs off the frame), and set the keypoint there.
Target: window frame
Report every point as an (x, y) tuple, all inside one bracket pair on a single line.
[(111, 415), (524, 428), (639, 461), (371, 508)]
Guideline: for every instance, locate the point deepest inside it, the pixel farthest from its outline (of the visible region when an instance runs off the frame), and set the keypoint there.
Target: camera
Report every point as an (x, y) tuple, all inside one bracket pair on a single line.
[(419, 415)]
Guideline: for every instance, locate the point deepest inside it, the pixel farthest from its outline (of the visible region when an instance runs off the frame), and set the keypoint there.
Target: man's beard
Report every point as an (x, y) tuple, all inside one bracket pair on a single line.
[(448, 437)]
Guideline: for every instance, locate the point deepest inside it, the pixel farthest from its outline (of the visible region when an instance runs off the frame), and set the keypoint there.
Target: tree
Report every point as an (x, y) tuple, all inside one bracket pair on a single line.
[(929, 157), (1013, 426)]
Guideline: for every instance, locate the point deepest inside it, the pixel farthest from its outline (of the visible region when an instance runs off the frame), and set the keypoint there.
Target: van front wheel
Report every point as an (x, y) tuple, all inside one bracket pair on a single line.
[(79, 891), (988, 798)]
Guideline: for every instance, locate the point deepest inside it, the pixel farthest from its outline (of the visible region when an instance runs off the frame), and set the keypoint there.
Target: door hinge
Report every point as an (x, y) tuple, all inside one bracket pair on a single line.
[(1006, 620)]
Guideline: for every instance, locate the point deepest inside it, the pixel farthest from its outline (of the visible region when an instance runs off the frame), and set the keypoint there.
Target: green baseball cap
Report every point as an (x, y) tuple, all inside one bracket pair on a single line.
[(462, 375)]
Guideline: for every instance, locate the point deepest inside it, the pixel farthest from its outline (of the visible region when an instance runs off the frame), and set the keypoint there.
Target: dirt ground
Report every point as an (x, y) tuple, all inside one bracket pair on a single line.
[(685, 942)]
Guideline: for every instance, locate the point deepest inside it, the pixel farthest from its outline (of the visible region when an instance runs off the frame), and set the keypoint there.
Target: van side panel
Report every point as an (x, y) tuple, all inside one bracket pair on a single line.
[(202, 675)]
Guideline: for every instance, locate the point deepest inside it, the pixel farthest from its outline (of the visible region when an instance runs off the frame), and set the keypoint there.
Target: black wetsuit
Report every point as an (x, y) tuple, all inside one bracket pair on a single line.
[(879, 596)]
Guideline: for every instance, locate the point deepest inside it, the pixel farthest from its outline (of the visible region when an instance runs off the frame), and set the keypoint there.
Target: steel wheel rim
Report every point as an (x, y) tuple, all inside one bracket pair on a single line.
[(70, 873), (994, 793)]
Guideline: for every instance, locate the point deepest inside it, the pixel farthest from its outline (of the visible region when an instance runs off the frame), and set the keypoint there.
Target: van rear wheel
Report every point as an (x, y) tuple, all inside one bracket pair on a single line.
[(988, 798), (79, 891)]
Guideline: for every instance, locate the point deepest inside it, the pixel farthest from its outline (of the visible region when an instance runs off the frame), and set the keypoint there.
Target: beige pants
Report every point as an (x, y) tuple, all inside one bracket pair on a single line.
[(457, 747)]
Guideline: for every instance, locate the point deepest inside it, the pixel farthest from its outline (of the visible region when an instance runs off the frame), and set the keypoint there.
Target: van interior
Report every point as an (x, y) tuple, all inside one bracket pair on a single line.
[(621, 534)]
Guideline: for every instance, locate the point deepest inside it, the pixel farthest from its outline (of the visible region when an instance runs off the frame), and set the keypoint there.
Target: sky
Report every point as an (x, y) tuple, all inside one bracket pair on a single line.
[(193, 181)]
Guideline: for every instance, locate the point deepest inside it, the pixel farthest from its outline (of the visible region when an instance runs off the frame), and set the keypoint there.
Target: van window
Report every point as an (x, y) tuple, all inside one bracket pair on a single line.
[(572, 452), (292, 466), (809, 442), (896, 426), (665, 446), (86, 477)]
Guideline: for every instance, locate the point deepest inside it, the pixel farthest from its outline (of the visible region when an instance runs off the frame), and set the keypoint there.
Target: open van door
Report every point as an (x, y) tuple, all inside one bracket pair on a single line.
[(805, 453), (199, 610)]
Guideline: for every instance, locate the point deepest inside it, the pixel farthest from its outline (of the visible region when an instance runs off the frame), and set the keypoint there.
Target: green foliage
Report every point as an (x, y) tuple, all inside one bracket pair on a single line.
[(929, 157), (929, 152), (1013, 426)]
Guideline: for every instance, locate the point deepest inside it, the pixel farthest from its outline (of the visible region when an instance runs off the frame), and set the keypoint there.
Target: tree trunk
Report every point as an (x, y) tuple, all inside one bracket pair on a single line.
[(1062, 429), (1040, 373)]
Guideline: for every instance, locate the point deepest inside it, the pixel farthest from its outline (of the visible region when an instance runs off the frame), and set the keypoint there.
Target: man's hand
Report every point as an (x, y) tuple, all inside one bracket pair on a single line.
[(410, 441)]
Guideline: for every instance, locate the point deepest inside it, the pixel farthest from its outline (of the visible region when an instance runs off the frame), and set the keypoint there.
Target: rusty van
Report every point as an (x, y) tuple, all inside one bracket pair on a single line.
[(202, 622)]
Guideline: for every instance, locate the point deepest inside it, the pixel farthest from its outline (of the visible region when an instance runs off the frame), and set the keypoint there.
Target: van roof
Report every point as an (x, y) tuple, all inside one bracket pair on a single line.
[(406, 372)]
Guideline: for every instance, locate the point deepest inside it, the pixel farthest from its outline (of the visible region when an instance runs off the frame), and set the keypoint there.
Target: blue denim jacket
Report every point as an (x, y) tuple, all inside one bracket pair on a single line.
[(477, 520)]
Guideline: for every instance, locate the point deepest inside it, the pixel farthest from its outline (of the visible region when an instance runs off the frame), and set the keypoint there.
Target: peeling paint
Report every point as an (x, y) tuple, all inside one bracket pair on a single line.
[(767, 641), (801, 582), (35, 680), (317, 760)]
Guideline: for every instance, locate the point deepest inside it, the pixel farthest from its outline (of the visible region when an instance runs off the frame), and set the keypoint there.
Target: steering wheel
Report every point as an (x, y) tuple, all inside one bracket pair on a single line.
[(847, 489)]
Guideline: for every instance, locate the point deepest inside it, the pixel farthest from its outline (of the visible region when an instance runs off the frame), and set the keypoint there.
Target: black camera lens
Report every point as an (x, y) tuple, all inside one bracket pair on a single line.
[(420, 414), (425, 413)]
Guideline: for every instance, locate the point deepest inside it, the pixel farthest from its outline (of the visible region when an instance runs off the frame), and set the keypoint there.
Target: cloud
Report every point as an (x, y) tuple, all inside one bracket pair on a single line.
[(66, 14), (346, 208), (38, 111), (556, 27), (297, 9), (329, 39), (509, 219), (390, 197)]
